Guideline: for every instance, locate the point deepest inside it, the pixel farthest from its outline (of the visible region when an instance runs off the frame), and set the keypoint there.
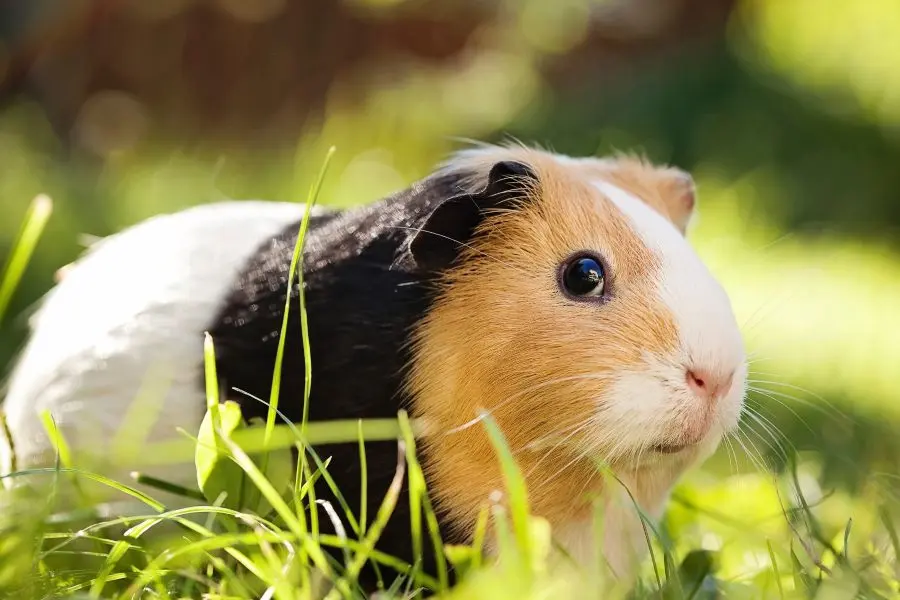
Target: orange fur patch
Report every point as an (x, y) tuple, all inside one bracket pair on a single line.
[(503, 338), (669, 190)]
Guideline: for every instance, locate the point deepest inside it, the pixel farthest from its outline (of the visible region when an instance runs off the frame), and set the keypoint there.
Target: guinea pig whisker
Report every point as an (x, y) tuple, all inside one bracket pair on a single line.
[(757, 414), (766, 426), (755, 456), (587, 482), (638, 453), (836, 412), (732, 458), (775, 448), (768, 395), (579, 427), (566, 433), (573, 431), (265, 403), (615, 452), (736, 436), (753, 359), (758, 317), (461, 243), (519, 394), (590, 449), (790, 386), (769, 246), (838, 418)]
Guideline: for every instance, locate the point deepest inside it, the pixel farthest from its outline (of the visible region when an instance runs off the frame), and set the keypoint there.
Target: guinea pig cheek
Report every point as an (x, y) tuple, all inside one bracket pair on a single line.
[(690, 387), (645, 412), (647, 408)]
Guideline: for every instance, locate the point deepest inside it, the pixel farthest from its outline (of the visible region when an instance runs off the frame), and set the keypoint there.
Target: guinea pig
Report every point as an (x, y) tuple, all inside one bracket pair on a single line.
[(557, 294)]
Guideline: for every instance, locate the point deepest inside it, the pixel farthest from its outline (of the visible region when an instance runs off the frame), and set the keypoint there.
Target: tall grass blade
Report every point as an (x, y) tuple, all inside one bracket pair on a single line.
[(888, 521), (515, 486), (291, 519), (364, 480), (295, 272), (32, 227), (775, 569), (252, 439)]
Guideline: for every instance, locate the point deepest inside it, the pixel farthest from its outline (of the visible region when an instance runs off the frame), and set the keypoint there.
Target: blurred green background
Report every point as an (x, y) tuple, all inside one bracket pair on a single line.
[(786, 111)]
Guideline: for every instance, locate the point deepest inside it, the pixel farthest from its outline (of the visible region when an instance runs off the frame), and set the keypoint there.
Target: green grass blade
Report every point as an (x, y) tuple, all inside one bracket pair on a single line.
[(211, 379), (647, 527), (388, 504), (322, 470), (377, 556), (112, 559), (277, 502), (304, 324), (310, 492), (321, 466), (364, 480), (775, 569), (23, 248), (63, 451), (166, 486), (144, 498), (57, 439), (142, 413), (416, 492), (7, 438), (845, 555), (252, 439), (888, 521), (515, 486), (480, 534), (218, 542), (295, 272), (417, 489)]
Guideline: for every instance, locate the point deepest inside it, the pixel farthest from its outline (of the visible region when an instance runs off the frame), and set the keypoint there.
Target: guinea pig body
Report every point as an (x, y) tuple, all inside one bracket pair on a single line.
[(557, 294), (123, 324)]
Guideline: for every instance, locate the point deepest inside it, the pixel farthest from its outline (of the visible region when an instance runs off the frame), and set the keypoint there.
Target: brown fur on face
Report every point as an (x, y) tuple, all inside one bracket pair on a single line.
[(503, 338), (669, 190)]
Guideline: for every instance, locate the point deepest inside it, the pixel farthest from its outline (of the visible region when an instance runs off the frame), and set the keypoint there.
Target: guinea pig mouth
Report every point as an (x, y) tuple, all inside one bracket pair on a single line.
[(669, 448)]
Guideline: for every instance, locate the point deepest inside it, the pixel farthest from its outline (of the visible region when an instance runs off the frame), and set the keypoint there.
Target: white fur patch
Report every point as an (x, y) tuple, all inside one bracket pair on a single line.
[(647, 405), (709, 337), (619, 531), (128, 320)]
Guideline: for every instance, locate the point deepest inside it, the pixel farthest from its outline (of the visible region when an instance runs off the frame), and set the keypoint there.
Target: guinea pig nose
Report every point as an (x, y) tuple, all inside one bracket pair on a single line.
[(708, 384)]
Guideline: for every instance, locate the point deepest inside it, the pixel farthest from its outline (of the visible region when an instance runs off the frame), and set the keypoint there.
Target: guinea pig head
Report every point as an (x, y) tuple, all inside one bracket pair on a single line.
[(571, 309)]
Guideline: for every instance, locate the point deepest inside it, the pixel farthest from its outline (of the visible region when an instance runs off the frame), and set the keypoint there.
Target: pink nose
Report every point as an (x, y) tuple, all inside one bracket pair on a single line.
[(709, 384)]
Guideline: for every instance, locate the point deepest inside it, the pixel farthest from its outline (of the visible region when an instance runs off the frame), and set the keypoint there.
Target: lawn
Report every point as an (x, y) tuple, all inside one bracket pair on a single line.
[(801, 503)]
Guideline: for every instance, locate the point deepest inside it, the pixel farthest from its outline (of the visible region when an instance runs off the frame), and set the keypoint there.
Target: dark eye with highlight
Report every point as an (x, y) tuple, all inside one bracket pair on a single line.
[(583, 276)]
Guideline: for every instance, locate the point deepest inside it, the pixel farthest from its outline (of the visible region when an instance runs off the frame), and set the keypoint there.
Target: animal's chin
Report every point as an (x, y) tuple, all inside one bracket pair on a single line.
[(699, 449), (708, 438)]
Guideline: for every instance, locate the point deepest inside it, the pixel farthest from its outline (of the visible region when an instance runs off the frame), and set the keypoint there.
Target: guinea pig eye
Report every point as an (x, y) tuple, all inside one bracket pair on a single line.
[(584, 276)]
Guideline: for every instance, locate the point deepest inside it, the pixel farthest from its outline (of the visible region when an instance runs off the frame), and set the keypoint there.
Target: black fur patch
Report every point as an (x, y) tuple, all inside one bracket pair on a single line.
[(363, 294)]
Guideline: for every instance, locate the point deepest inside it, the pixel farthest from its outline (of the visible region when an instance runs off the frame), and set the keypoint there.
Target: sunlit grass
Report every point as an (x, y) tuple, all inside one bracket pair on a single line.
[(35, 221), (819, 315), (763, 539)]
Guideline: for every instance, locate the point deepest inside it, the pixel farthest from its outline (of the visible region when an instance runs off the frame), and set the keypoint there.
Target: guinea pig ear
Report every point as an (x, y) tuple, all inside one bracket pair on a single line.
[(452, 224), (680, 193)]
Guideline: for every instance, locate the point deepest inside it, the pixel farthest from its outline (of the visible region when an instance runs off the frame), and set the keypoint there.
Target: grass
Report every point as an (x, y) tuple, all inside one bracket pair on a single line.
[(252, 530), (23, 248)]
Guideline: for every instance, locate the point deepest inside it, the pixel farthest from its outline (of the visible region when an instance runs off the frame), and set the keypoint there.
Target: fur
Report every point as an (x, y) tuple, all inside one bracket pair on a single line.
[(127, 322), (442, 299)]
